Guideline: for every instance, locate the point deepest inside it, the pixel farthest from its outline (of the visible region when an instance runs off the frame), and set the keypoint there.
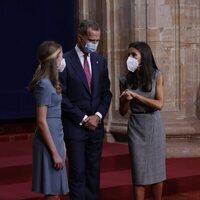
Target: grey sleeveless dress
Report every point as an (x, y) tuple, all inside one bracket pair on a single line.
[(146, 139), (46, 179)]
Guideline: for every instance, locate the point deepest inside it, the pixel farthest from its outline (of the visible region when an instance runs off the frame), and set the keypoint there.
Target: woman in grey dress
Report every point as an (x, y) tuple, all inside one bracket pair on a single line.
[(49, 170), (142, 92)]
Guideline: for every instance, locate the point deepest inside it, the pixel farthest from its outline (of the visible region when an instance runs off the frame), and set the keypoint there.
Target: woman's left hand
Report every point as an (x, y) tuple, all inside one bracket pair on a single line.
[(133, 94)]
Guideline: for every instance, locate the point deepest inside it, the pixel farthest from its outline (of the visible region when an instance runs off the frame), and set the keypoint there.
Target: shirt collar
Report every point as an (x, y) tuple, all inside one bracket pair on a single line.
[(79, 52)]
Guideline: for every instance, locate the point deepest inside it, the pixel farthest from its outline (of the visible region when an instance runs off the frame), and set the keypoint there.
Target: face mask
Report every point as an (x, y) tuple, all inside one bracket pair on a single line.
[(90, 47), (132, 64), (62, 65)]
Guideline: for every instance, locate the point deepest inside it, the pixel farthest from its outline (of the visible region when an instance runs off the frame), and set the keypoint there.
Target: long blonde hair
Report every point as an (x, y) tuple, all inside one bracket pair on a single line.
[(48, 53)]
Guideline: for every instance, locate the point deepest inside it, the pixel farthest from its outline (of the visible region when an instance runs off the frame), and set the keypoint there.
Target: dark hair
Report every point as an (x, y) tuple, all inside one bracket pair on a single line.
[(85, 24), (147, 68), (47, 55)]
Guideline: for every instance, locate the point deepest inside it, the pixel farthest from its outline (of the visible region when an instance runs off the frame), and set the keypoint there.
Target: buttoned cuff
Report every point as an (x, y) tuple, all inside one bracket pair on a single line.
[(99, 115), (84, 118)]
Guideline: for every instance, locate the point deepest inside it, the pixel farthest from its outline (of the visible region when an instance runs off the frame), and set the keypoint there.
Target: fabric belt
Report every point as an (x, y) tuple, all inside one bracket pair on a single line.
[(145, 112)]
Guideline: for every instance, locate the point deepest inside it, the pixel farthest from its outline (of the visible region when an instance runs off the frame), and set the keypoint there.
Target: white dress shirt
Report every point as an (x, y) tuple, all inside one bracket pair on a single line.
[(81, 58)]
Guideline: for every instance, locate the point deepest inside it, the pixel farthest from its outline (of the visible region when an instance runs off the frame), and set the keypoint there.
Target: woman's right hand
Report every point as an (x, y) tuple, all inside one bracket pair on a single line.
[(126, 94), (57, 161)]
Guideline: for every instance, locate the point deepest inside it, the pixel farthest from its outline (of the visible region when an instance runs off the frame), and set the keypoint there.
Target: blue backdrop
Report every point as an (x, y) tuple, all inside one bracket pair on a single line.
[(24, 25)]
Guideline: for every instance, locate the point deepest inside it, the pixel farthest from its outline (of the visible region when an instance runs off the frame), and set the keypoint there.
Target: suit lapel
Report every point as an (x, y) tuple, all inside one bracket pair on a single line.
[(78, 68)]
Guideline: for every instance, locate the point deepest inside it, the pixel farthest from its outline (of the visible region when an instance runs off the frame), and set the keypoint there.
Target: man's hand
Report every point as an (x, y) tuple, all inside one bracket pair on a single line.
[(92, 122)]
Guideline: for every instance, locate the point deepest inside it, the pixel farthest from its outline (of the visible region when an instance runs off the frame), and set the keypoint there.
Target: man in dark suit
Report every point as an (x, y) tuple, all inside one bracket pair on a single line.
[(86, 100)]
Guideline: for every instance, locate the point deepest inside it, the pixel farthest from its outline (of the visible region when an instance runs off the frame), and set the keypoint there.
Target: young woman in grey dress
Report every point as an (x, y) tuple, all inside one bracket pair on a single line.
[(142, 92), (49, 170)]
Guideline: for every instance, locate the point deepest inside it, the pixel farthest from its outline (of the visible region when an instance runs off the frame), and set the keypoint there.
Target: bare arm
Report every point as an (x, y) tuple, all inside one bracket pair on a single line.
[(158, 101), (41, 113), (124, 101)]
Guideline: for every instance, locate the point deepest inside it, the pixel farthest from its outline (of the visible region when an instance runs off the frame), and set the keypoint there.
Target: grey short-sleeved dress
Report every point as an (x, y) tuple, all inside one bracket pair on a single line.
[(46, 179), (146, 138)]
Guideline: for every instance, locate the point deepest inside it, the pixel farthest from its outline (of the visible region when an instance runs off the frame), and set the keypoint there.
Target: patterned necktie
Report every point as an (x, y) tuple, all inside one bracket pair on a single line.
[(87, 71)]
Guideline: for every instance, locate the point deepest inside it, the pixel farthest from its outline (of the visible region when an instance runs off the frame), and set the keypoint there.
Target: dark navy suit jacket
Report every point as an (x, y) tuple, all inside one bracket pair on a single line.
[(78, 101)]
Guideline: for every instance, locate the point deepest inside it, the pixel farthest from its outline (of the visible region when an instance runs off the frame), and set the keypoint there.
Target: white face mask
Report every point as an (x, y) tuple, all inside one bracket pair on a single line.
[(132, 64), (62, 65)]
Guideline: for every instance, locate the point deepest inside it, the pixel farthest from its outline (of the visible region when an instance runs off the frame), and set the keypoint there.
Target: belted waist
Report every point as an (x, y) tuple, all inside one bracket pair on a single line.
[(144, 112)]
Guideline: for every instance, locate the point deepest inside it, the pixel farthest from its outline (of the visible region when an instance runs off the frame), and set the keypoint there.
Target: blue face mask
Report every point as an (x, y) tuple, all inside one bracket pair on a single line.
[(90, 47)]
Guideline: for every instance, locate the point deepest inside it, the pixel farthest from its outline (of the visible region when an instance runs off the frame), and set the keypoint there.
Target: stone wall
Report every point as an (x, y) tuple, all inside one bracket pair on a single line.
[(172, 29)]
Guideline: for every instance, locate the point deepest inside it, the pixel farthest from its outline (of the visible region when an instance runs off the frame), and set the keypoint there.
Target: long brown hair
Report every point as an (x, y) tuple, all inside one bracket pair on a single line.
[(47, 55), (147, 68)]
